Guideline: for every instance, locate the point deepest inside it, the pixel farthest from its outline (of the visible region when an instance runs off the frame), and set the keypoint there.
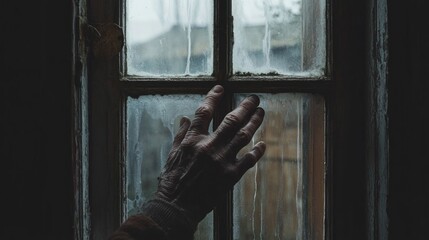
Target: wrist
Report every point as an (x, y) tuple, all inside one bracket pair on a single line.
[(173, 219)]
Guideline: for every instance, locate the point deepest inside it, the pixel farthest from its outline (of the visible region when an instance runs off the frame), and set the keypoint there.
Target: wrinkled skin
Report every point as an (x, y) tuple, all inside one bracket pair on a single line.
[(202, 167)]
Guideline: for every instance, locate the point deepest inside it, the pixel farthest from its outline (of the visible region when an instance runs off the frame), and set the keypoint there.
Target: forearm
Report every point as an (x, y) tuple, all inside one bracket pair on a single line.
[(158, 220)]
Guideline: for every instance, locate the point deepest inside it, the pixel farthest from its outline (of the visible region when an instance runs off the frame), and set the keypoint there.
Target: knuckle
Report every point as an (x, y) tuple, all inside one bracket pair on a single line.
[(250, 102), (244, 136), (232, 174), (247, 105), (217, 158), (179, 136), (202, 149), (203, 111), (231, 119), (210, 97), (231, 171), (188, 143), (220, 156)]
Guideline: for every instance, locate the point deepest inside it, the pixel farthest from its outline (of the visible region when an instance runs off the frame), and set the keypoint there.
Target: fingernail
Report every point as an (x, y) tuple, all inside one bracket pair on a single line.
[(254, 97), (262, 146), (218, 89), (261, 110)]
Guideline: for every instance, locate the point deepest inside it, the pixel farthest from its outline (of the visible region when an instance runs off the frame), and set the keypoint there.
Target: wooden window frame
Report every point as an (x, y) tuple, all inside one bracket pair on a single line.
[(99, 169)]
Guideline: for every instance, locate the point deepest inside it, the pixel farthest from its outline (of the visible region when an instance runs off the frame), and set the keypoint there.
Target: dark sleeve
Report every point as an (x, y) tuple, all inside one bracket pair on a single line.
[(158, 220)]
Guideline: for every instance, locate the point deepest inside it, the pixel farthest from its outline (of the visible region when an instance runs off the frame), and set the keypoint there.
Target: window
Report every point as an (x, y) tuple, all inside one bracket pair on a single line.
[(283, 196), (287, 52)]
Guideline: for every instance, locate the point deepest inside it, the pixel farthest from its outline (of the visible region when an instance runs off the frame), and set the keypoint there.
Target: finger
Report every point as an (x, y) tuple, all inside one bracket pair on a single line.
[(184, 126), (249, 159), (234, 120), (245, 134), (204, 113)]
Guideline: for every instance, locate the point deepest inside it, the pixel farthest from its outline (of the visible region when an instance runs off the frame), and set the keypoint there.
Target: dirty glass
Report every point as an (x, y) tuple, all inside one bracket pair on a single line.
[(152, 122), (280, 37), (169, 37), (282, 196)]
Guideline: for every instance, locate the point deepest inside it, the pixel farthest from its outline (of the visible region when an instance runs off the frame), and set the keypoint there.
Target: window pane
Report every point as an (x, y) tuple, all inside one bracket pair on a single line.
[(152, 122), (282, 196), (169, 37), (279, 37)]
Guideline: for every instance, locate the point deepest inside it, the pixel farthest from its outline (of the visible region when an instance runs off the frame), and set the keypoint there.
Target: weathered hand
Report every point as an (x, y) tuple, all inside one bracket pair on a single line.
[(202, 167)]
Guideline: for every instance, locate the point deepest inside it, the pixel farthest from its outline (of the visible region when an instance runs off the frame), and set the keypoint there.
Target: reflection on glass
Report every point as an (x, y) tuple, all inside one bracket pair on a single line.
[(169, 37), (152, 122), (279, 37), (282, 196)]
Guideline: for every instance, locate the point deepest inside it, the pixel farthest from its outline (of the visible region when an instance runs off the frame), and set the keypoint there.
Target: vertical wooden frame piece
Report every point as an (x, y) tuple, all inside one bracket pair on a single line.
[(104, 129), (223, 35), (81, 220)]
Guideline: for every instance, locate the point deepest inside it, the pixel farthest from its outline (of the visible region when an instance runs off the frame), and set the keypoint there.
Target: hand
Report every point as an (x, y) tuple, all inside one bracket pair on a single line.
[(202, 167)]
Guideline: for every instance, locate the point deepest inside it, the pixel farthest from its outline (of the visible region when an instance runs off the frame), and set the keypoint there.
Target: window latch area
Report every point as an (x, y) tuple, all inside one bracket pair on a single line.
[(106, 40)]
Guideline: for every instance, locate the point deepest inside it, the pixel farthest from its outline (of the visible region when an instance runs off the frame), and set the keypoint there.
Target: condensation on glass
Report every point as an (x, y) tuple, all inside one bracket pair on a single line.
[(282, 196), (152, 122), (169, 37), (286, 37)]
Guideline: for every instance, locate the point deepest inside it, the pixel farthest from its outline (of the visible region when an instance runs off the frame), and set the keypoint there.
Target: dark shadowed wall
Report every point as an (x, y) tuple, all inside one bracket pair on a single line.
[(35, 153), (408, 202)]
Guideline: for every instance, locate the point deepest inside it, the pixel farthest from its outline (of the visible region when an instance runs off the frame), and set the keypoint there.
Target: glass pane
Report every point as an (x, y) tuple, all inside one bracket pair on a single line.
[(152, 122), (169, 37), (279, 37), (282, 196)]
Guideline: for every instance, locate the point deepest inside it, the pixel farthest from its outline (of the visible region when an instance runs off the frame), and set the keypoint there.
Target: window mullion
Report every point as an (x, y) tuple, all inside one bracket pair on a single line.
[(222, 71)]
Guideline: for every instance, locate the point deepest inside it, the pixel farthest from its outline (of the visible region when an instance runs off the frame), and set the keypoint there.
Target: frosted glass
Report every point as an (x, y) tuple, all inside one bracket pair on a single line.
[(152, 122), (169, 37), (284, 37), (282, 197)]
